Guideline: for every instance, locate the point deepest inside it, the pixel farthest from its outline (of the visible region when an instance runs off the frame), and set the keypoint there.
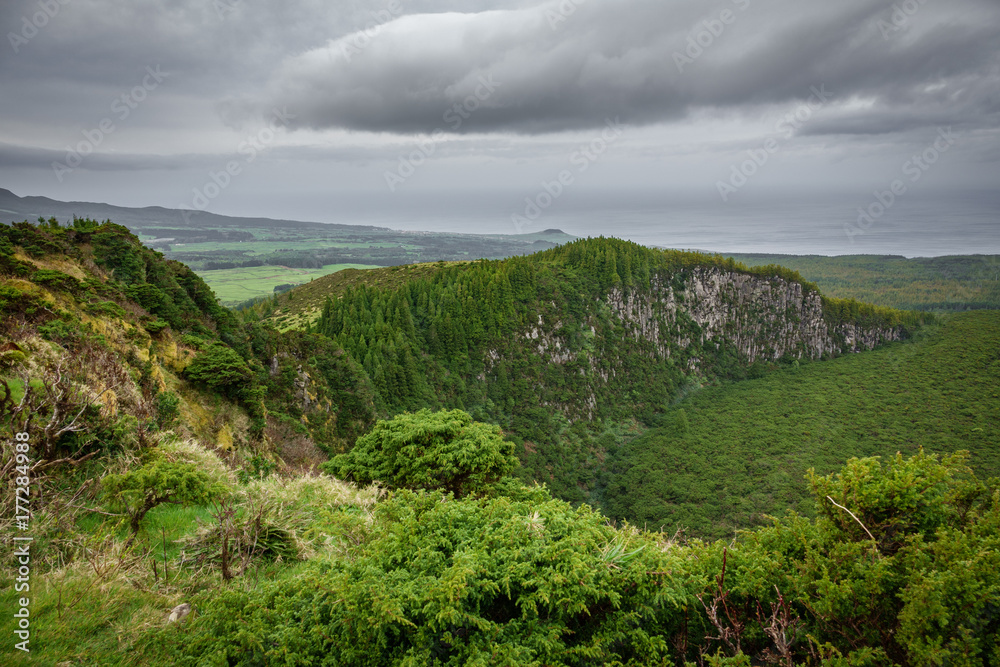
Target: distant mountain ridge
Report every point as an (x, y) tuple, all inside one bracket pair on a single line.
[(17, 209), (31, 207)]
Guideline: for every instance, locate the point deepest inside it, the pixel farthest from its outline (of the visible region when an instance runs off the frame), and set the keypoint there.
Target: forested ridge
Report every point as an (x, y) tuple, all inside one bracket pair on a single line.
[(326, 497), (536, 344)]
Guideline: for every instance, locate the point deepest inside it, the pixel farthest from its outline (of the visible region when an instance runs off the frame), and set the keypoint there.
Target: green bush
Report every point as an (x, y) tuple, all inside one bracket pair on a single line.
[(14, 299), (106, 308), (196, 342), (117, 433), (220, 367), (150, 297), (157, 482), (6, 247), (167, 408), (904, 569), (155, 326), (116, 249), (67, 330), (56, 280), (429, 450), (256, 467), (490, 581), (85, 225), (10, 359)]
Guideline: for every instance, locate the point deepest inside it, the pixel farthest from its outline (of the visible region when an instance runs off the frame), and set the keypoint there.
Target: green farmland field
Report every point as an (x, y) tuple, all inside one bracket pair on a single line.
[(233, 286)]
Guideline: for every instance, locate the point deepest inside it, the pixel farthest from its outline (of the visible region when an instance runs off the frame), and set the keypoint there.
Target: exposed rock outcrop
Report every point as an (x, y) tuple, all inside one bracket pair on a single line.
[(760, 318), (764, 319)]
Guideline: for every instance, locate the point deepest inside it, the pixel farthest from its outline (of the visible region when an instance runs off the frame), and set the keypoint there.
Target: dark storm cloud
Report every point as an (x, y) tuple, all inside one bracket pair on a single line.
[(12, 155), (62, 59), (102, 41), (212, 47), (43, 158), (572, 64)]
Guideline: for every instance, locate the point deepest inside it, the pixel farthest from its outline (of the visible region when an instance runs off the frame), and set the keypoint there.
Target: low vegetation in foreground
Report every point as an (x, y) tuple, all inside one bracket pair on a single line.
[(900, 567)]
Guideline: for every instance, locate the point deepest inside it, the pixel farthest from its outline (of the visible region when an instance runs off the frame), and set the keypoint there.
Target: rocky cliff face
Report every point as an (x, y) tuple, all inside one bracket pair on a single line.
[(760, 318), (764, 319), (678, 326)]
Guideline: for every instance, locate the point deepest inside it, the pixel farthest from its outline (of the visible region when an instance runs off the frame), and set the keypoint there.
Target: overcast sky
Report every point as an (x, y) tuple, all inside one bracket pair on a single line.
[(376, 109)]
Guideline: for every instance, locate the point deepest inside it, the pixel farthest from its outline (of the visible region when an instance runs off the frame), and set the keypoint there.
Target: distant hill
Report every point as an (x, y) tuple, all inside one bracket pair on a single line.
[(209, 241), (15, 209)]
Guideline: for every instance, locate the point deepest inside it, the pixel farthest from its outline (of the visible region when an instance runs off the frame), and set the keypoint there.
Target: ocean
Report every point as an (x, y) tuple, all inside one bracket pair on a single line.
[(925, 226)]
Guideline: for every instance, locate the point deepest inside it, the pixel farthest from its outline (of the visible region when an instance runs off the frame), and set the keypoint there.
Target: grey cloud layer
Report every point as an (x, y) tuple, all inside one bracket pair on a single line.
[(558, 65), (553, 69), (89, 50), (560, 70)]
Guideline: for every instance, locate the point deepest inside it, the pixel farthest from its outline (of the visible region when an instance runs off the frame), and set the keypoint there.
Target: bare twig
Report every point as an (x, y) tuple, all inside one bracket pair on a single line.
[(166, 572), (91, 509), (45, 465), (733, 635), (780, 627), (853, 517)]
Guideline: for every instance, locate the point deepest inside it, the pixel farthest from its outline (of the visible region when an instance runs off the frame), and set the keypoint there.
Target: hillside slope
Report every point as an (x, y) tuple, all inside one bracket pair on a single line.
[(89, 306), (560, 346), (726, 456)]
